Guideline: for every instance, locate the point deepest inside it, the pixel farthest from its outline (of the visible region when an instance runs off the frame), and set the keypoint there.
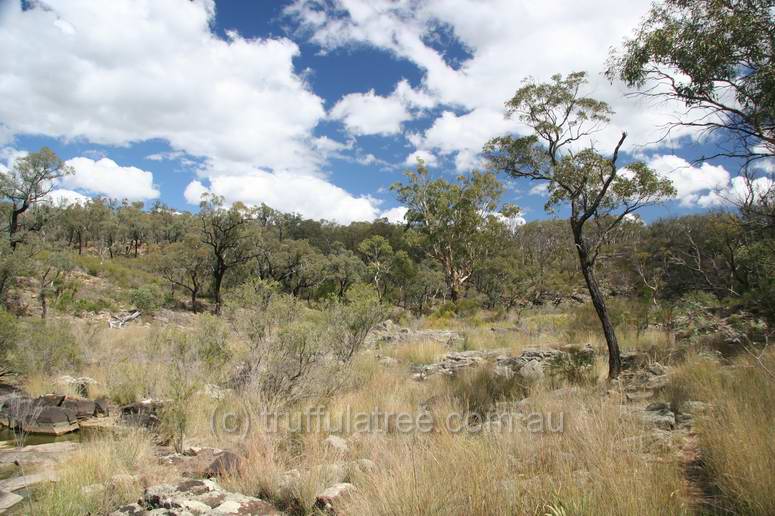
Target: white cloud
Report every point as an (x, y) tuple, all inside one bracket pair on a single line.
[(368, 113), (541, 189), (736, 192), (63, 197), (521, 39), (691, 182), (427, 157), (395, 215), (310, 196), (125, 71), (106, 177)]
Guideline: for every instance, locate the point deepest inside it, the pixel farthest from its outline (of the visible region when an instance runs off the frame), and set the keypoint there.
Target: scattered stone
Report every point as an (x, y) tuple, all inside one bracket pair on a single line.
[(659, 415), (390, 333), (633, 360), (336, 443), (656, 369), (330, 497), (639, 396), (133, 509)]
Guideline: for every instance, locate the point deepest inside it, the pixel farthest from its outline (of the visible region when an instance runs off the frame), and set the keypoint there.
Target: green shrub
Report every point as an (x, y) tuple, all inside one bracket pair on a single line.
[(45, 346), (210, 340), (576, 366), (147, 298)]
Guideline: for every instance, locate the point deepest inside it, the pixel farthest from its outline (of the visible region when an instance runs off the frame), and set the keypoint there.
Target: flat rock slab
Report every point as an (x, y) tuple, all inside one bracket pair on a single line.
[(8, 500), (16, 483), (50, 453)]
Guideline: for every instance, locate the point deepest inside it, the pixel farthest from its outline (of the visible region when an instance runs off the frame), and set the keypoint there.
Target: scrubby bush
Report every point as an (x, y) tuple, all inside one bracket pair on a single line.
[(210, 341), (576, 366), (45, 347), (8, 335), (352, 320), (147, 298)]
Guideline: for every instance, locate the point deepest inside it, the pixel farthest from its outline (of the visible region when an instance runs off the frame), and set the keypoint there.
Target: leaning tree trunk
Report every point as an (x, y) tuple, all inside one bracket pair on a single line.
[(614, 356)]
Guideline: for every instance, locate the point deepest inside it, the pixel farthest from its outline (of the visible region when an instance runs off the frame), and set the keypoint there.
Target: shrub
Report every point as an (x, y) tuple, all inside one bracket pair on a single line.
[(480, 390), (576, 366), (8, 335), (352, 321), (46, 347), (210, 340), (147, 298)]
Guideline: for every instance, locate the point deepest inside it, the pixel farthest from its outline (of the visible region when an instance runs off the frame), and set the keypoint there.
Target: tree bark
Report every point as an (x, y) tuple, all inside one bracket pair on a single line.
[(614, 355), (217, 280)]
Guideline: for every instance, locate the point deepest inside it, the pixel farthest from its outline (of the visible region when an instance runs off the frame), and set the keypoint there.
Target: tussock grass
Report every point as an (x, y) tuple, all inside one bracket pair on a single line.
[(419, 353), (105, 473), (735, 436)]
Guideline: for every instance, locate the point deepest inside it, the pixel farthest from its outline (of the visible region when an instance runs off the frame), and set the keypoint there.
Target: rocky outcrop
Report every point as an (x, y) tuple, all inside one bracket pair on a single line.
[(196, 497), (388, 333), (51, 414), (529, 364), (142, 413)]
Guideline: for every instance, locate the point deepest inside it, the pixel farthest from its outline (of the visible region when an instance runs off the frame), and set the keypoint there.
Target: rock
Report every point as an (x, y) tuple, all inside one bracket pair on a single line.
[(40, 454), (8, 500), (633, 360), (657, 382), (336, 443), (214, 392), (328, 499), (390, 333), (659, 415), (16, 483), (695, 408), (82, 407), (132, 509), (364, 466), (639, 395), (51, 420), (143, 413), (225, 463), (200, 497)]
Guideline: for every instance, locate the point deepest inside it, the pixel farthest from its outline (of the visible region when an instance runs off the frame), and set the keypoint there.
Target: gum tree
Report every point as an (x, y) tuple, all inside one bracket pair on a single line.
[(597, 190), (449, 220), (29, 181)]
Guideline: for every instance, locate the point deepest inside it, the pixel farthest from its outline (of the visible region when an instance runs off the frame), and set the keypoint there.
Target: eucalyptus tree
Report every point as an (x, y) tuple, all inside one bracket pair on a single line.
[(449, 220), (228, 235), (599, 192), (186, 264), (715, 56), (30, 180)]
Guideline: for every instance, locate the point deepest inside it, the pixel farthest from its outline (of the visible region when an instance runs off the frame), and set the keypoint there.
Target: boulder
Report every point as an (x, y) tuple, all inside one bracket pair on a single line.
[(659, 415), (225, 463), (142, 413), (82, 407), (328, 499), (51, 420), (199, 497)]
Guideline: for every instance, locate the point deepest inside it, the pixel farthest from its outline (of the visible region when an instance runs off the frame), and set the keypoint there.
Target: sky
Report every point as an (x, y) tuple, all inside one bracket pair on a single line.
[(312, 106)]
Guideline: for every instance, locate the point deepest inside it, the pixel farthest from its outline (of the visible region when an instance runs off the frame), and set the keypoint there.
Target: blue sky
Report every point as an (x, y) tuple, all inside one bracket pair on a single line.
[(308, 105)]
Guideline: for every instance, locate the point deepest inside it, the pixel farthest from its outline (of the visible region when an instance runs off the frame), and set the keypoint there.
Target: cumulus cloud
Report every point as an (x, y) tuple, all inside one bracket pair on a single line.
[(64, 197), (522, 39), (310, 196), (691, 182), (428, 158), (106, 177), (124, 71), (395, 215), (369, 113)]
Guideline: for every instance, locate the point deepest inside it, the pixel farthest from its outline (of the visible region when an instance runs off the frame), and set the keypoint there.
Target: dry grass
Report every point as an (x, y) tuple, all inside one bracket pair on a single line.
[(736, 435), (419, 353), (102, 475)]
